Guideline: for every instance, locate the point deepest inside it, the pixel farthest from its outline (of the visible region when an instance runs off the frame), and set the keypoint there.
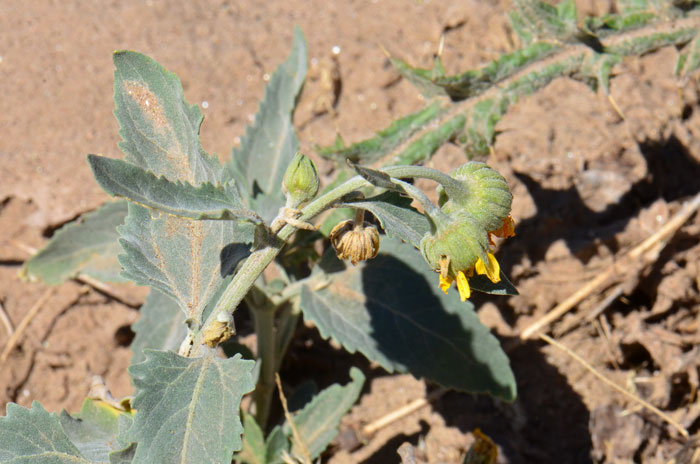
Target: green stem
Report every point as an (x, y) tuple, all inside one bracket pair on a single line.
[(256, 263), (454, 188), (265, 331)]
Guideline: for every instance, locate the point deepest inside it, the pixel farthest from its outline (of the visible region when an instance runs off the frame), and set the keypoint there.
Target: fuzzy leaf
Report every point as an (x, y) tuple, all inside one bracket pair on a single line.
[(270, 143), (425, 146), (93, 430), (317, 423), (254, 450), (689, 58), (473, 82), (190, 261), (87, 245), (596, 71), (187, 260), (181, 199), (544, 21), (34, 436), (160, 130), (482, 124), (377, 178), (396, 216), (188, 409), (369, 151), (391, 310), (161, 326)]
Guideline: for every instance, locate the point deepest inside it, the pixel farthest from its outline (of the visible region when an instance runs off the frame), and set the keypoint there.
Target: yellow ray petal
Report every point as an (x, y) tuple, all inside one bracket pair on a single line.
[(492, 269), (463, 286), (445, 283)]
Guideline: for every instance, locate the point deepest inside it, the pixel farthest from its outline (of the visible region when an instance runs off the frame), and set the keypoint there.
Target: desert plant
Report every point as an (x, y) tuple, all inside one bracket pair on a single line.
[(200, 234)]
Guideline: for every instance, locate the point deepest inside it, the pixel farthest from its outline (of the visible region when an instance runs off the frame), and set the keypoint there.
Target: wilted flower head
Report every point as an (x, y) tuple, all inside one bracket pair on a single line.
[(355, 239)]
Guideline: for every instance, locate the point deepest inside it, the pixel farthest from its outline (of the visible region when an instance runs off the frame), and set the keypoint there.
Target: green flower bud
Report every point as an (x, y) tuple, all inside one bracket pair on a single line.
[(300, 182), (487, 200)]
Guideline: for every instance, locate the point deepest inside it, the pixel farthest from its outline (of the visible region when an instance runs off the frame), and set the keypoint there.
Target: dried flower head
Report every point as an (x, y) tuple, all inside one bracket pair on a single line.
[(356, 240)]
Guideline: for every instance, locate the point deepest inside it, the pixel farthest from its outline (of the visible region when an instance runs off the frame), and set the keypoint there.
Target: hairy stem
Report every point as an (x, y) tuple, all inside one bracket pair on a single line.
[(256, 263)]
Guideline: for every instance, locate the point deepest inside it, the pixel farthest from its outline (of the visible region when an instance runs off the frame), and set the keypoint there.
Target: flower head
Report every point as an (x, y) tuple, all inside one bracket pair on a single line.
[(460, 244), (356, 240)]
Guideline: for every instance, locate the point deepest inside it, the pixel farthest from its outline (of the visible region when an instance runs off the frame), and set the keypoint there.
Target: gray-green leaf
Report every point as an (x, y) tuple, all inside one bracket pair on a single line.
[(88, 244), (391, 310), (270, 143), (161, 326), (160, 130), (93, 430), (182, 199), (317, 423), (188, 409), (34, 436), (397, 217), (188, 260)]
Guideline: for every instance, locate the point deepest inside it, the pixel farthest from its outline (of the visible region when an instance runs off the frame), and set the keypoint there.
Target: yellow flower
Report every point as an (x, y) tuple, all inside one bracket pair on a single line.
[(463, 286), (492, 269), (446, 280)]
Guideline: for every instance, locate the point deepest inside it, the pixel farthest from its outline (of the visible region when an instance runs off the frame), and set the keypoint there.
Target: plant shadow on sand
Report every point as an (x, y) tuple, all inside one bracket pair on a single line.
[(548, 422), (672, 174)]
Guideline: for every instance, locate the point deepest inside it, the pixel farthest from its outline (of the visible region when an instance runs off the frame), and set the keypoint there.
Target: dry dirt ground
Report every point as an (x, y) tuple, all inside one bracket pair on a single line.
[(588, 187)]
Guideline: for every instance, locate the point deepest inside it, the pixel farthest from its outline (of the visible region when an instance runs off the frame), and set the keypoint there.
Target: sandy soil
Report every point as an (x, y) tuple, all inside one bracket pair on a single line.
[(588, 186)]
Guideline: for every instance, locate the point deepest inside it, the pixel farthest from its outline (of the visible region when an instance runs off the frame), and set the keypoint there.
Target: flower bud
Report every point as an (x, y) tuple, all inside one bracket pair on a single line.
[(488, 198), (300, 181)]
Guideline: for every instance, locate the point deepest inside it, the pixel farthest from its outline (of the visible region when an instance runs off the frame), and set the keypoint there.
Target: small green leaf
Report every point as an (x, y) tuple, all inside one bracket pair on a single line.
[(161, 326), (270, 143), (391, 310), (277, 442), (254, 450), (566, 11), (596, 71), (425, 146), (317, 423), (188, 409), (689, 58), (31, 436), (377, 178), (482, 124), (181, 199), (87, 245), (396, 216), (93, 430)]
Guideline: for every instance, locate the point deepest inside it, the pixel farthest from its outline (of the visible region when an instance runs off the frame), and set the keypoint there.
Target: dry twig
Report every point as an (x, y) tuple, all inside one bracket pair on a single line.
[(372, 428), (615, 386), (86, 279), (6, 320), (620, 267), (12, 342), (295, 433)]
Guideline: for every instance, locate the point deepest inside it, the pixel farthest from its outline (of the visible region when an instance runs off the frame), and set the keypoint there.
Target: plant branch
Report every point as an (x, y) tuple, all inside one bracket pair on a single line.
[(256, 263)]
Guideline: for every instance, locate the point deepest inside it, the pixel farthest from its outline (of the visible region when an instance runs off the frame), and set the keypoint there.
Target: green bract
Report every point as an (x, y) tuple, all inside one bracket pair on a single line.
[(461, 238), (487, 200)]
